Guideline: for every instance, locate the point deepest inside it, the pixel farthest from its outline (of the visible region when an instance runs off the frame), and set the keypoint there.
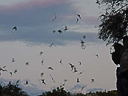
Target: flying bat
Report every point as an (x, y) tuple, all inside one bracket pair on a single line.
[(14, 28), (52, 78), (50, 68)]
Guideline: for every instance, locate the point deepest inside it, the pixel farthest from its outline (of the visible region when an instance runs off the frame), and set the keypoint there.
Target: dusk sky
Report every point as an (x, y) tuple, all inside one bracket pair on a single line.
[(38, 22)]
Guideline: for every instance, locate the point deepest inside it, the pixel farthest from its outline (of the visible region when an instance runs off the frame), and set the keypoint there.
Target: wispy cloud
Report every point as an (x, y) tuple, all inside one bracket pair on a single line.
[(40, 37), (94, 89), (77, 88), (29, 5)]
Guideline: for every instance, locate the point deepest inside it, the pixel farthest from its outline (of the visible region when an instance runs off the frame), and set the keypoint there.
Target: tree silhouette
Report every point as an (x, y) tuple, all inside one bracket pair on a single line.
[(14, 90), (114, 20), (113, 29), (11, 90), (59, 91)]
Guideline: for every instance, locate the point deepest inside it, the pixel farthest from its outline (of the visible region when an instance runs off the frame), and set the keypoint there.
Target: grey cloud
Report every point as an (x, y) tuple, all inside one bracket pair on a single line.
[(36, 16), (48, 37), (36, 26)]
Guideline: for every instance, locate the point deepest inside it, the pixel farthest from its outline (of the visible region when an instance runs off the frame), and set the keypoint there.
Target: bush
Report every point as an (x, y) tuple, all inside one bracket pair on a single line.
[(56, 92), (61, 92), (14, 90), (11, 90)]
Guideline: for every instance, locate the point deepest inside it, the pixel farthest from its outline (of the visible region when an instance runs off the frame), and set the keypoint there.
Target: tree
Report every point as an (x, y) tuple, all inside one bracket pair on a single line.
[(113, 29), (11, 90), (56, 92), (114, 20)]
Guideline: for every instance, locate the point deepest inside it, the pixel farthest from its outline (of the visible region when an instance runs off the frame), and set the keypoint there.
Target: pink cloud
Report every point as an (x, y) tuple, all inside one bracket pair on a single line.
[(5, 9)]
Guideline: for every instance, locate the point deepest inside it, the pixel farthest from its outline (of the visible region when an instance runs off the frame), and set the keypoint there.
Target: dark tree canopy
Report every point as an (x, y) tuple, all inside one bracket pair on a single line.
[(114, 20)]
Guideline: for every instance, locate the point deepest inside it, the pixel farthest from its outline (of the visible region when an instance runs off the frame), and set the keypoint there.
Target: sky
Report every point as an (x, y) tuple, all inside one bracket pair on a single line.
[(35, 24)]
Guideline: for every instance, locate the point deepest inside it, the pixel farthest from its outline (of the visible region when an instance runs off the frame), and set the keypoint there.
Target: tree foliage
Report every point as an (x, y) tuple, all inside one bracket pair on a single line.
[(114, 20), (14, 90), (61, 92), (56, 92), (11, 90)]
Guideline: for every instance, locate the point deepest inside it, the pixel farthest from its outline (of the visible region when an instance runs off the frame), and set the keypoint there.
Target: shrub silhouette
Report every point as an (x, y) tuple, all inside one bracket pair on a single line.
[(11, 90), (56, 92), (61, 92), (14, 90), (99, 93)]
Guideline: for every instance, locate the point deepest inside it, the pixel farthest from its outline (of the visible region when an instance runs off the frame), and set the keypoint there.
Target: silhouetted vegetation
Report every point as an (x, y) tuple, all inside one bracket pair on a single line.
[(61, 92), (14, 90), (114, 20), (113, 29), (109, 93), (56, 92), (11, 90)]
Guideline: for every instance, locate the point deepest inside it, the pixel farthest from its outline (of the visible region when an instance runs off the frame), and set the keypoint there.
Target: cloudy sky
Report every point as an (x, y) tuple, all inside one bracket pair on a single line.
[(35, 21)]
